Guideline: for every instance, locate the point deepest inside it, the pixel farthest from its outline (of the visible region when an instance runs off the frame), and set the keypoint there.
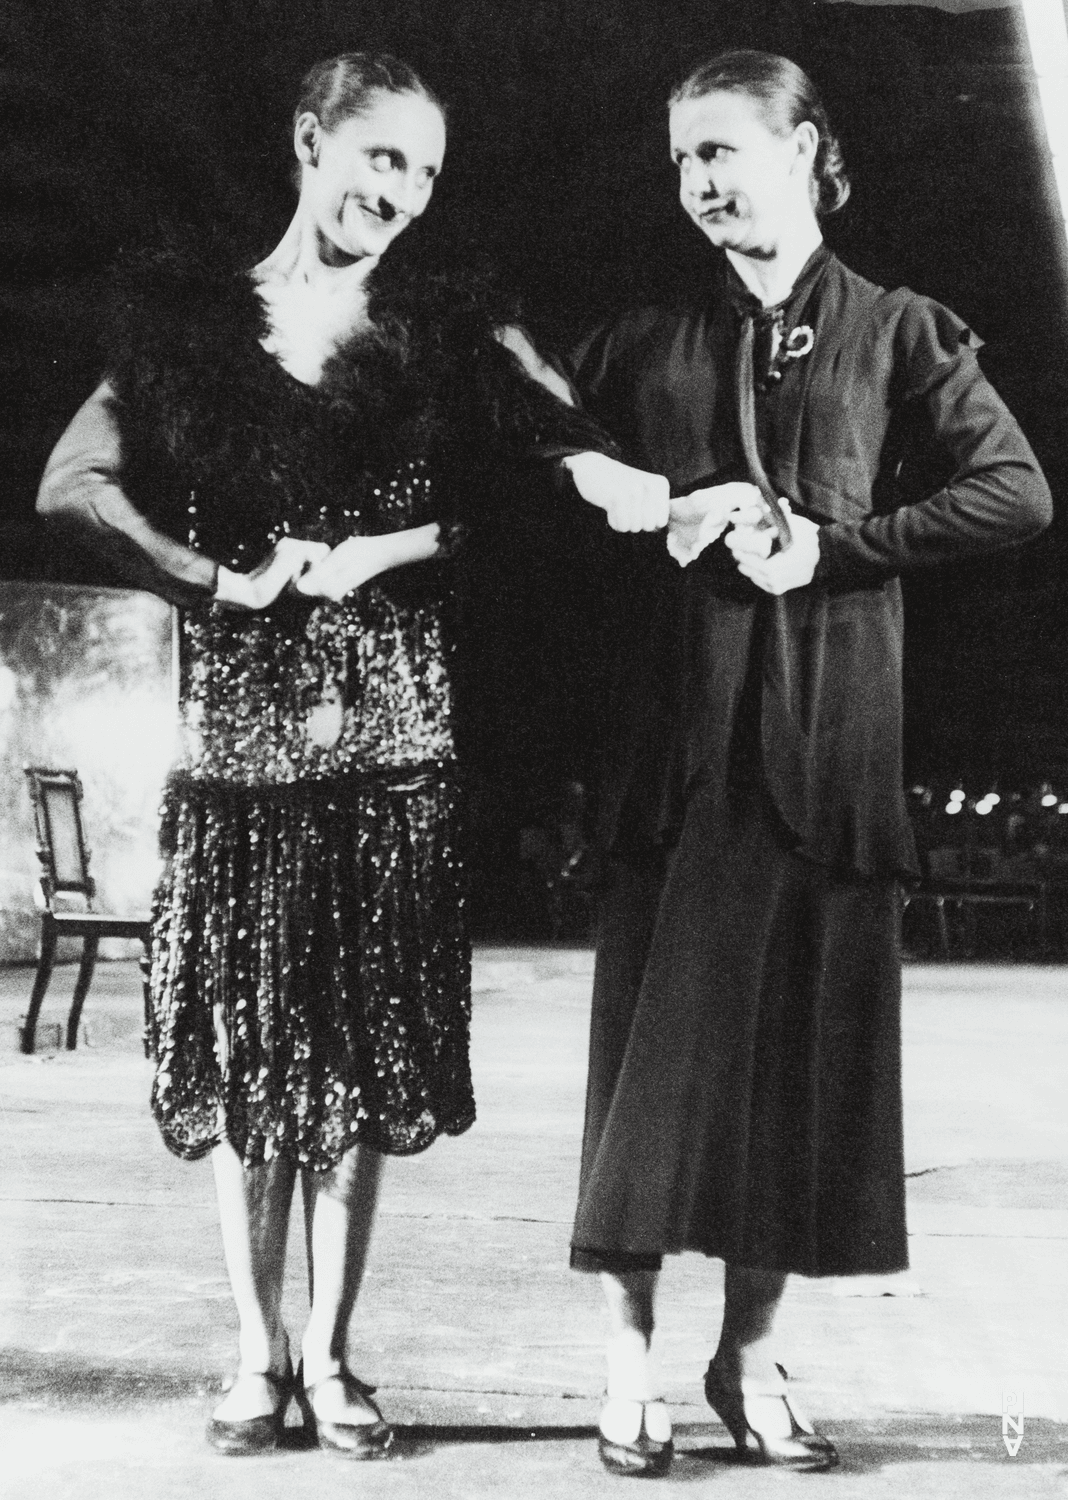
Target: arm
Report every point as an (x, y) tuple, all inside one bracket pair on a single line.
[(632, 499), (997, 496), (81, 492), (358, 559)]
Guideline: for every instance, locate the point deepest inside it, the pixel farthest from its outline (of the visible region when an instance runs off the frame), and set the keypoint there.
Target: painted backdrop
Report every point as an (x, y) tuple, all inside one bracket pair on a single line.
[(86, 682)]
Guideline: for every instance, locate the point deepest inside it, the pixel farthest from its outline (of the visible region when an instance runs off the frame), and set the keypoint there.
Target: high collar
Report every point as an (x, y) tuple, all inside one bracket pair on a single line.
[(748, 305)]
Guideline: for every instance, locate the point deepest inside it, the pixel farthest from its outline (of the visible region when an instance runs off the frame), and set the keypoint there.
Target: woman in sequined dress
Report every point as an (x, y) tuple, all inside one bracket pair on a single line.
[(283, 455)]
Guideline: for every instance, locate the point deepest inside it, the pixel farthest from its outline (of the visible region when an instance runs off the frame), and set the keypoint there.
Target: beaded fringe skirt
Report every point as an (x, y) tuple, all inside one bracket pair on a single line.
[(311, 969)]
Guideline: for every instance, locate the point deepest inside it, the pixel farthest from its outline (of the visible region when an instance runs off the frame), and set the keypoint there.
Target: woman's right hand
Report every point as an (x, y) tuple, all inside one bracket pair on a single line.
[(632, 499), (285, 563)]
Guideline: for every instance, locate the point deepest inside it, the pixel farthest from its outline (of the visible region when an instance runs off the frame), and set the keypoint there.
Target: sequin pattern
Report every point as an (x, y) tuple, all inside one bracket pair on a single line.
[(311, 984), (311, 958), (317, 688)]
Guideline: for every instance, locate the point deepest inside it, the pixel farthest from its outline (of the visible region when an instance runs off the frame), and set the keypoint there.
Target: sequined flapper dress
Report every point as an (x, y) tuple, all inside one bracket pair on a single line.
[(310, 962), (310, 976)]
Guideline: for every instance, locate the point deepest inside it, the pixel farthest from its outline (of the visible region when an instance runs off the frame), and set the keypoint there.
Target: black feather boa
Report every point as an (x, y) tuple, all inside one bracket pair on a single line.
[(212, 424)]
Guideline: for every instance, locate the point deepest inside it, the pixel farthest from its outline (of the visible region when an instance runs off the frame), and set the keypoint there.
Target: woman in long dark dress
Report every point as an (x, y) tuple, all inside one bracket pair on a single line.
[(744, 1094), (285, 455)]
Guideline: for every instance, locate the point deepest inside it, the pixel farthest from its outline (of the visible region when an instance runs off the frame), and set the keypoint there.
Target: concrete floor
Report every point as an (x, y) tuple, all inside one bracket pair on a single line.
[(117, 1325)]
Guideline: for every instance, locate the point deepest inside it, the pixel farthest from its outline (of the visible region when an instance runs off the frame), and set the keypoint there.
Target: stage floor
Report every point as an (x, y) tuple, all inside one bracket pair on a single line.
[(117, 1324)]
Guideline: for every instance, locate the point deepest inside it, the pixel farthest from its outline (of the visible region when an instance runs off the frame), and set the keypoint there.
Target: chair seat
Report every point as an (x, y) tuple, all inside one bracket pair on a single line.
[(98, 924)]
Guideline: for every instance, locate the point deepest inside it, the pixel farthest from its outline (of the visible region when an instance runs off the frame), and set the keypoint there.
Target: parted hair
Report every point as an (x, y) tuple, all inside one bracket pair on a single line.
[(344, 87), (786, 96)]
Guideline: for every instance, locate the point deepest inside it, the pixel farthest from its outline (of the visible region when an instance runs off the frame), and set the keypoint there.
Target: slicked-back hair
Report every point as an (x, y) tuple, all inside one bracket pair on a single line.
[(786, 96), (344, 87)]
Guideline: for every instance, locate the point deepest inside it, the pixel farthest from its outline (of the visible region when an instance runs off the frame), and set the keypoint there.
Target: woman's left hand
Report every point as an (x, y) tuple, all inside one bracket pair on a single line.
[(778, 573), (348, 565)]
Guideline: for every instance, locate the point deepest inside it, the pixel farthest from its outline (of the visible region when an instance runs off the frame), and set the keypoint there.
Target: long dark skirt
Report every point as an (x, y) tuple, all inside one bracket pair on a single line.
[(311, 969), (744, 1091)]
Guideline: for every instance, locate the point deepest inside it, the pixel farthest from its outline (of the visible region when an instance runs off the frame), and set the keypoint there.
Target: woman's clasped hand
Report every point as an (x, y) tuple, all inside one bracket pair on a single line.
[(776, 572), (287, 560)]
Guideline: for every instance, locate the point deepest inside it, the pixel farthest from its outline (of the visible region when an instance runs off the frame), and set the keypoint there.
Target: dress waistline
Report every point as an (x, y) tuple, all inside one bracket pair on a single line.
[(414, 778)]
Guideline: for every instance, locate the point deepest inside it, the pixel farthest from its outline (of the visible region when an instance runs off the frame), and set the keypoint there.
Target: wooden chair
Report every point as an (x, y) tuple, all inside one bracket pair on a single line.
[(1028, 896), (61, 848), (932, 896)]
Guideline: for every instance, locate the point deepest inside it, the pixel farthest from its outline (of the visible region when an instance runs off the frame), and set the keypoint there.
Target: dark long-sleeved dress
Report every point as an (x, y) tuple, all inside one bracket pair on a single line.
[(744, 1093), (310, 978)]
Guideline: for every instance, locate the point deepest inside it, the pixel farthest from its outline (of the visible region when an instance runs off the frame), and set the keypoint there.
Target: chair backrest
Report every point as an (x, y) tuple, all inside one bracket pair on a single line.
[(57, 797)]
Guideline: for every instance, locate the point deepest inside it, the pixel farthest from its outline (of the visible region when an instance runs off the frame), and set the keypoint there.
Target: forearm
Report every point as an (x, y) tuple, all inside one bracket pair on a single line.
[(417, 544), (987, 514), (546, 421), (997, 496), (81, 494)]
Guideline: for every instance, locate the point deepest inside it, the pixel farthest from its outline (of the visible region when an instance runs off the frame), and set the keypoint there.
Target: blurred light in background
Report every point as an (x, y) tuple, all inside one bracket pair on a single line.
[(1047, 36)]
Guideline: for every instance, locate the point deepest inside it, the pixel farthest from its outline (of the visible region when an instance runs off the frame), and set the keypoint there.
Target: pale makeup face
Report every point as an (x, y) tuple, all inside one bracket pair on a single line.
[(365, 181), (740, 182)]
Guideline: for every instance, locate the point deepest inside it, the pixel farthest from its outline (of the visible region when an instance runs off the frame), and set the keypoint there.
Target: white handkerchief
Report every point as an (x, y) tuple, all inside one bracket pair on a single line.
[(685, 543)]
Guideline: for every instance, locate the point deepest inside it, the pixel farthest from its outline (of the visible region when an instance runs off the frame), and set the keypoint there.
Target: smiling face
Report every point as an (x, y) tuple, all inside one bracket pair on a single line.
[(743, 184), (366, 180)]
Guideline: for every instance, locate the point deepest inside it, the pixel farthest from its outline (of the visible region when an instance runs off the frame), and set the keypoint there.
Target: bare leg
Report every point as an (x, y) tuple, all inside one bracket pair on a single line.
[(339, 1210), (750, 1301), (632, 1378), (744, 1387), (254, 1216), (745, 1352)]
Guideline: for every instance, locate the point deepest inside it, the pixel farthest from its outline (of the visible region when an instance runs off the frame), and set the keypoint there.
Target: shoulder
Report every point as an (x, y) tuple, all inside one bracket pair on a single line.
[(449, 297), (899, 312), (930, 342), (919, 336)]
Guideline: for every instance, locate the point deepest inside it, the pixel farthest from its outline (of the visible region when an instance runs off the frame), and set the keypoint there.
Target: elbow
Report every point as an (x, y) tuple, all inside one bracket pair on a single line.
[(1043, 506), (49, 494), (1034, 508), (1019, 504)]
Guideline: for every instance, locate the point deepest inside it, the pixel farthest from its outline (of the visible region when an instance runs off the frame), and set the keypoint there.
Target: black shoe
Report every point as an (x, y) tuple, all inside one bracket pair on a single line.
[(353, 1439), (645, 1458), (255, 1434), (804, 1448)]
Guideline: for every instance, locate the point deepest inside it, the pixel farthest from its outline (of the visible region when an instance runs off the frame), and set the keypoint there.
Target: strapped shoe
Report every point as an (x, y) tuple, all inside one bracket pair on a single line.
[(352, 1439), (254, 1434), (802, 1448)]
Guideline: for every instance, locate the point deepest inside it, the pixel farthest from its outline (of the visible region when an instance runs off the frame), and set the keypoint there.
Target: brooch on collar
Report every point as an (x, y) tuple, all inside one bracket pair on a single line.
[(796, 344), (799, 342)]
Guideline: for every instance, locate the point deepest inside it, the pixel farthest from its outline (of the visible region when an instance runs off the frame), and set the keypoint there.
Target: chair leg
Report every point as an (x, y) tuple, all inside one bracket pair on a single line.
[(40, 985), (148, 1037), (943, 928), (1042, 922), (81, 988)]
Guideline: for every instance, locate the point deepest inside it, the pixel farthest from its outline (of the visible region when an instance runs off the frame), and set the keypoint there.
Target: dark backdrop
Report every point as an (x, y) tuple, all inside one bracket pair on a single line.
[(119, 114)]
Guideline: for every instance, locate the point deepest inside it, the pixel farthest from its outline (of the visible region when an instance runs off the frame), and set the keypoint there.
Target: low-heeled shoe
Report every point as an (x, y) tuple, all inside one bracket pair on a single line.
[(360, 1440), (254, 1434), (644, 1458)]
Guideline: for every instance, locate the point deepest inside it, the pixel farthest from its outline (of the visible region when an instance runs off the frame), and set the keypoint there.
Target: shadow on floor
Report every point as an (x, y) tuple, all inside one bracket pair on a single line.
[(865, 1447), (68, 1382)]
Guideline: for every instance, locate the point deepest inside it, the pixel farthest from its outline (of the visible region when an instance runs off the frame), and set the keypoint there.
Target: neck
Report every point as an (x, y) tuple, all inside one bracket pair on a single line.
[(771, 272), (303, 255)]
